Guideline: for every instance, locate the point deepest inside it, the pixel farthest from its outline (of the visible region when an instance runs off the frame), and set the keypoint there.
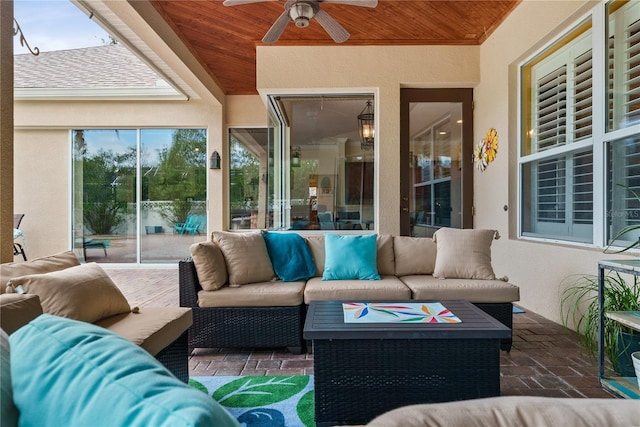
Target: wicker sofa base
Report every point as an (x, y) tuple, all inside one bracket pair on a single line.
[(175, 357), (247, 327), (357, 380), (503, 313)]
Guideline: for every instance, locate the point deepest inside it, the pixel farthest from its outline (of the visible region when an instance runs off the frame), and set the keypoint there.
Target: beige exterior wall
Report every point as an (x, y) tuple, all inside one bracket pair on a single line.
[(537, 267), (42, 157), (381, 70)]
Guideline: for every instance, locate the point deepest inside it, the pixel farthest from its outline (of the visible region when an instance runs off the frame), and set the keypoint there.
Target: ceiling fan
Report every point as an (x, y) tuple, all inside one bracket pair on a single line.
[(301, 12)]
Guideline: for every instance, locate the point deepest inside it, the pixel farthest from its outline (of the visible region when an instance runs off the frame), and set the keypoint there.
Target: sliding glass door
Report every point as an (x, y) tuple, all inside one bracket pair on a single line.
[(139, 195)]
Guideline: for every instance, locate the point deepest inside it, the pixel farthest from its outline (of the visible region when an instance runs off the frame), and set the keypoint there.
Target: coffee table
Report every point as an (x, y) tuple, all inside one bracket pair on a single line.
[(362, 370)]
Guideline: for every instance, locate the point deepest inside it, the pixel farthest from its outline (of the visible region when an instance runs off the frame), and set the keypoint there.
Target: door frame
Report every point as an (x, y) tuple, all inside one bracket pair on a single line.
[(463, 96)]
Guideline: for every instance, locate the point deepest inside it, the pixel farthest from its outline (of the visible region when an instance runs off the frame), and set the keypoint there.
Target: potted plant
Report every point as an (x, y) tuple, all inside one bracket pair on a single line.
[(579, 306)]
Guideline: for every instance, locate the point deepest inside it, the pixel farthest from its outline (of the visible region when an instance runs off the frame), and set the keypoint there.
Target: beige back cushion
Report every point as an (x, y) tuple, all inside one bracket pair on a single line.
[(55, 262), (210, 265), (316, 246), (464, 253), (16, 310), (414, 255), (246, 257), (385, 257), (84, 292)]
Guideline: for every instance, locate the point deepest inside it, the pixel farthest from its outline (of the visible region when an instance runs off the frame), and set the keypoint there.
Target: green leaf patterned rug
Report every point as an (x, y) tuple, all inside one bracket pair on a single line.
[(256, 401)]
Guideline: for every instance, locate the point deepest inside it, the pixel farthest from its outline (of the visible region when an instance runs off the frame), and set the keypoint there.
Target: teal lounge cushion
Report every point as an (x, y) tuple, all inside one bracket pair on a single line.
[(350, 257), (8, 412), (71, 373), (290, 256)]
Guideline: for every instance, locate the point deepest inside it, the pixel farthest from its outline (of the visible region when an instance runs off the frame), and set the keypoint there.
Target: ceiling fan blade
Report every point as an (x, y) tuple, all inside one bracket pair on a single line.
[(363, 3), (332, 27), (277, 28), (238, 2)]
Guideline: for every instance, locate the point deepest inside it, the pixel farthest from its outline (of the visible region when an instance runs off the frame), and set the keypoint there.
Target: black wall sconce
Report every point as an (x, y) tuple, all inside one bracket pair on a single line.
[(214, 160)]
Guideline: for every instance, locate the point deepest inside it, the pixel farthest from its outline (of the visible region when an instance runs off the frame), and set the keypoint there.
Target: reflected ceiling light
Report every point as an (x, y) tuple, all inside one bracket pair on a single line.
[(366, 126)]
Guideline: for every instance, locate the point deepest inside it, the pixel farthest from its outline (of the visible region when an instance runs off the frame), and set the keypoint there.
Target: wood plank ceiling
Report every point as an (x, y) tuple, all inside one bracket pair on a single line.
[(224, 39)]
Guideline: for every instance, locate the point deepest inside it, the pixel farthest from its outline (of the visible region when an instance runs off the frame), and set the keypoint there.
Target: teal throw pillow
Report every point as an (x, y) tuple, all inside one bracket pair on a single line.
[(71, 373), (350, 257), (290, 256)]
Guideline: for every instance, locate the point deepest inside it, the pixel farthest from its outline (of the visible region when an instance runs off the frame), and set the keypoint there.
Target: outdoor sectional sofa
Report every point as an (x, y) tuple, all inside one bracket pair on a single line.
[(238, 300), (59, 285)]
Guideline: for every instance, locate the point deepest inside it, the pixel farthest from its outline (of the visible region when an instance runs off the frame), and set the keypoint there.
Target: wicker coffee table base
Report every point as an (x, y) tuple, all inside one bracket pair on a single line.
[(357, 380)]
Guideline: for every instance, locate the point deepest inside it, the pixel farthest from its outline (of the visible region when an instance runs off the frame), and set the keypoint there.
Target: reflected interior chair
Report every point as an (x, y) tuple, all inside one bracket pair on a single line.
[(18, 248), (326, 221)]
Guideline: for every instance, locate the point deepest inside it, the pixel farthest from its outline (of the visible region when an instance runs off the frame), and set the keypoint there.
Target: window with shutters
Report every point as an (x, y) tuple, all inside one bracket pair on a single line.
[(563, 132), (557, 160)]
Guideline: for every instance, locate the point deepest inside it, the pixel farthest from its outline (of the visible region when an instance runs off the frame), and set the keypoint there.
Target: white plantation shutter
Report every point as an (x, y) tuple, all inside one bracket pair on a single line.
[(551, 194), (551, 110), (632, 73), (582, 96), (583, 188)]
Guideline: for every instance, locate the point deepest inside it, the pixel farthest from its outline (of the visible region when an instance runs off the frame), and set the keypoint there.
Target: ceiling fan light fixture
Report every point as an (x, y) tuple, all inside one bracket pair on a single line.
[(301, 13)]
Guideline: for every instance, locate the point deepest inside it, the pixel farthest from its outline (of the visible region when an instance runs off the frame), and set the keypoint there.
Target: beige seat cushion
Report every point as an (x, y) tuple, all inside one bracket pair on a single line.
[(261, 294), (385, 259), (47, 264), (389, 288), (246, 256), (152, 328), (464, 253), (427, 287), (414, 255), (210, 265), (16, 310), (521, 411), (84, 292)]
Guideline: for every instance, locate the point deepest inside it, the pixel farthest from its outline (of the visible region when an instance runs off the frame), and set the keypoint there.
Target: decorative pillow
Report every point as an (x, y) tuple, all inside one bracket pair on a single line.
[(8, 410), (246, 257), (47, 264), (84, 293), (350, 257), (414, 255), (464, 253), (210, 265), (290, 256), (81, 374)]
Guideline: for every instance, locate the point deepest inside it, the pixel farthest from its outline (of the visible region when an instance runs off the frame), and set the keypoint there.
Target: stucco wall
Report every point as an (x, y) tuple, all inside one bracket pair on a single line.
[(537, 267), (42, 157)]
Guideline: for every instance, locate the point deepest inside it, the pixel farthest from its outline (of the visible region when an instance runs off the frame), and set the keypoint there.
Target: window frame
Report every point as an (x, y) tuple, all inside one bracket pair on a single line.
[(601, 136)]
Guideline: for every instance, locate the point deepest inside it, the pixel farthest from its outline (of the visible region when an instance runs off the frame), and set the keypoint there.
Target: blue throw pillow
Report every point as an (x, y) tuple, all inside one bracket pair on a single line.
[(350, 257), (71, 373), (290, 256)]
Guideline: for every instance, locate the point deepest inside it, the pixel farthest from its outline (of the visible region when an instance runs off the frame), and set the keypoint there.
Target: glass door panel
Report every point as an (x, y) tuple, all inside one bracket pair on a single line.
[(173, 192), (104, 199), (435, 190)]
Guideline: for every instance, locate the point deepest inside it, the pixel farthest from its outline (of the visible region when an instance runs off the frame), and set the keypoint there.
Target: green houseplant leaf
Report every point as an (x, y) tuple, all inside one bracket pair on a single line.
[(579, 306)]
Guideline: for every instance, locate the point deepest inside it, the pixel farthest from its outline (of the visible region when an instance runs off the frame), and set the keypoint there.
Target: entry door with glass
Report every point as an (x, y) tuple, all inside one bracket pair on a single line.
[(436, 183)]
